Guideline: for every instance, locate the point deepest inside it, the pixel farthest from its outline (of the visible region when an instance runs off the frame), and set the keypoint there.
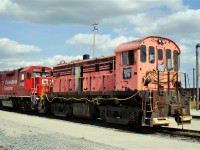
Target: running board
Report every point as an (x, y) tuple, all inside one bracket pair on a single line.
[(161, 121), (183, 120)]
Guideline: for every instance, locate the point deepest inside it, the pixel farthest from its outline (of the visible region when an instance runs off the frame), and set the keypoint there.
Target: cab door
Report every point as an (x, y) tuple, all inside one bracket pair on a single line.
[(125, 70), (79, 78)]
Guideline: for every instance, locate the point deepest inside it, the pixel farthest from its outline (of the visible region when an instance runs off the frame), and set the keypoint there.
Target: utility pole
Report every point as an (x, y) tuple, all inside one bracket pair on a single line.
[(197, 76), (95, 28), (193, 84)]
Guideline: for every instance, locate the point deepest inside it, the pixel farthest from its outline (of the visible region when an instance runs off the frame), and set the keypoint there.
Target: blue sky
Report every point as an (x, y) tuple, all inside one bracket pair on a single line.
[(44, 32)]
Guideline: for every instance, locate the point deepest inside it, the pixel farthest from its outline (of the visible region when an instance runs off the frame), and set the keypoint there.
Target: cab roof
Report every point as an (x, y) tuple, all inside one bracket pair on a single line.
[(135, 44)]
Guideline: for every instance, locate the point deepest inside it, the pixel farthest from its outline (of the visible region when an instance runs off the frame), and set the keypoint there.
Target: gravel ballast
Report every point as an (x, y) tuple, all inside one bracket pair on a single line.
[(26, 132), (16, 136)]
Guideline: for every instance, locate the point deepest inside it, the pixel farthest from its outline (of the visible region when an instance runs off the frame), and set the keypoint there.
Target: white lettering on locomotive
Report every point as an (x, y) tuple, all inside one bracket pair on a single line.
[(8, 88), (10, 82)]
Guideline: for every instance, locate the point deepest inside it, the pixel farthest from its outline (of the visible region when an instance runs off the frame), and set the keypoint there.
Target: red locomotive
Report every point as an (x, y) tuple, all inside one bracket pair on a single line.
[(138, 85), (23, 87)]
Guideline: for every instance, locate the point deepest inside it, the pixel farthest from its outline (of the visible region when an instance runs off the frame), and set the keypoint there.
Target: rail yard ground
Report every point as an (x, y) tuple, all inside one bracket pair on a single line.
[(25, 132), (195, 113)]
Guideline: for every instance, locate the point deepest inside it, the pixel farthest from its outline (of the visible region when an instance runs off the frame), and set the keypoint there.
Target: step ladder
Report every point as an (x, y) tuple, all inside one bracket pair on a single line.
[(147, 109)]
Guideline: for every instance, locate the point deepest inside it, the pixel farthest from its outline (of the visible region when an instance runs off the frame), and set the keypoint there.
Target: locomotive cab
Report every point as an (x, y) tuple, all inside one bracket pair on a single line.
[(34, 82), (31, 79), (151, 67), (126, 69)]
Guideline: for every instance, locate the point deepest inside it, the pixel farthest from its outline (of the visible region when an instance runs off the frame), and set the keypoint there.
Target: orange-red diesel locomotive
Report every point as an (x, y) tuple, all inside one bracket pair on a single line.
[(138, 85)]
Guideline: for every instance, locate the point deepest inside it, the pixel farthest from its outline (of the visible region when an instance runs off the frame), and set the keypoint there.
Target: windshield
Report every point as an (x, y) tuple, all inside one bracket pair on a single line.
[(41, 74)]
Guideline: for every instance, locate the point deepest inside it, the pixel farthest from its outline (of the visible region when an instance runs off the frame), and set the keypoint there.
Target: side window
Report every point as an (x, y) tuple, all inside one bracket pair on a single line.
[(125, 58), (168, 59), (143, 53), (151, 54), (160, 54), (22, 76), (176, 60), (128, 58), (28, 75), (131, 57), (72, 71)]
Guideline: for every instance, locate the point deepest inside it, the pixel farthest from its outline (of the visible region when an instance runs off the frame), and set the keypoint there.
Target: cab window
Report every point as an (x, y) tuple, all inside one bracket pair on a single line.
[(176, 60), (168, 59), (41, 74), (151, 54), (45, 74), (128, 58), (160, 54), (22, 76), (37, 74), (143, 53), (28, 75)]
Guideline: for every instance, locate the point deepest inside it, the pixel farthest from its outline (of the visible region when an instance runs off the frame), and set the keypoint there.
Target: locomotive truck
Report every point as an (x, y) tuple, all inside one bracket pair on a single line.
[(138, 85)]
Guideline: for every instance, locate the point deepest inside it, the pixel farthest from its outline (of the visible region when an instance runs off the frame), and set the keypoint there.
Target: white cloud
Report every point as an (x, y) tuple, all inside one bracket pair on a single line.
[(181, 24), (188, 56), (102, 43), (52, 61), (78, 11), (10, 48), (13, 63)]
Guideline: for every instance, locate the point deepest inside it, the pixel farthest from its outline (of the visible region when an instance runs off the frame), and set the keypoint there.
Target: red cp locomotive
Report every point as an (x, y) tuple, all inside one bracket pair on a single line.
[(138, 85), (23, 87)]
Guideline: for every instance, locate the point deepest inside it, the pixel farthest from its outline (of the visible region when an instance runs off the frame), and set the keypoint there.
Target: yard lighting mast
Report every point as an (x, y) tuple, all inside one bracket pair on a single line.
[(197, 76), (95, 28)]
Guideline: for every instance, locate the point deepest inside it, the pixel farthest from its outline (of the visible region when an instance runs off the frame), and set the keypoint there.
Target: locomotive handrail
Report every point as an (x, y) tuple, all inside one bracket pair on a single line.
[(91, 100), (90, 76), (151, 75), (36, 88), (147, 76), (95, 99)]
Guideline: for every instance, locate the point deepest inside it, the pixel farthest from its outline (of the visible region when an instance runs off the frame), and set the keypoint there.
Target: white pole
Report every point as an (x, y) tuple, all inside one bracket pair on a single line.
[(94, 30)]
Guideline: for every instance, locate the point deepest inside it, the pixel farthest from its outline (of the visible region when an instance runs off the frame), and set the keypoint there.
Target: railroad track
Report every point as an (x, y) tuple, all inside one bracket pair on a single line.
[(181, 134), (196, 117)]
